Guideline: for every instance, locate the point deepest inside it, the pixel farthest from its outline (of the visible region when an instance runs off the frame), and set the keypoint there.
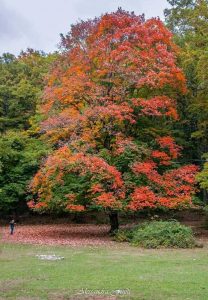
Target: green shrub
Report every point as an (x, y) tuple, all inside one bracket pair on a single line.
[(124, 235), (158, 234)]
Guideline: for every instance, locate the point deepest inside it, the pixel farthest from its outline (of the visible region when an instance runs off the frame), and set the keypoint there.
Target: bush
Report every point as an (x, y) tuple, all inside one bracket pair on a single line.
[(158, 234), (124, 235)]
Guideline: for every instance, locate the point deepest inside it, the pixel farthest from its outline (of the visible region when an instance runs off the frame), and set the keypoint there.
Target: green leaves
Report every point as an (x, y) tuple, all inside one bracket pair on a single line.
[(158, 234), (19, 159), (188, 19), (21, 84)]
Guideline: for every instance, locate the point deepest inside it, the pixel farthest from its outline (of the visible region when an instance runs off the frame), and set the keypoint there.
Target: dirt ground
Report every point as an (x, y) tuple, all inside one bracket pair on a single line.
[(59, 234), (75, 234), (64, 232)]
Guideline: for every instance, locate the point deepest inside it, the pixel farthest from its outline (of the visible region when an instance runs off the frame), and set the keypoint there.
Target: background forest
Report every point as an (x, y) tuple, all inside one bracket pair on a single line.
[(23, 144)]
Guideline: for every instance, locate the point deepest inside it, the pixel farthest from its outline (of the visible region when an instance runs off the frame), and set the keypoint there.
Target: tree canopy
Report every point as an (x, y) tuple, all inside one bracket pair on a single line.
[(108, 108), (21, 85)]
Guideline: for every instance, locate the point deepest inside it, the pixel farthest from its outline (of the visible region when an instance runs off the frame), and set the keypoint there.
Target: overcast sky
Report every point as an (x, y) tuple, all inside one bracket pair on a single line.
[(38, 23)]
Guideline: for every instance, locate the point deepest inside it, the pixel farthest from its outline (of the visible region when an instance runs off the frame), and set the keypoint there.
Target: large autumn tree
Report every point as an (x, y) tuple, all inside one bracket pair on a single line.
[(108, 106)]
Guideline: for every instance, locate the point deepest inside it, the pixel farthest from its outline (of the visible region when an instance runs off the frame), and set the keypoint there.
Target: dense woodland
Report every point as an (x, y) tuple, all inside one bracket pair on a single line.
[(115, 120)]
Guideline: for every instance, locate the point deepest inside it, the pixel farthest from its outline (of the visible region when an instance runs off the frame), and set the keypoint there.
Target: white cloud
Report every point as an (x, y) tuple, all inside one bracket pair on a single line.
[(38, 23)]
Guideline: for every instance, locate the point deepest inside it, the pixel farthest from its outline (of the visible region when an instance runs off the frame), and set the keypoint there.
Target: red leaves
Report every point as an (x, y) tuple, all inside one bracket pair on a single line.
[(161, 157), (144, 168), (102, 59), (122, 143), (77, 208), (141, 198), (108, 200), (149, 169), (108, 191), (159, 106), (167, 142), (31, 204), (182, 175), (172, 189), (38, 206), (97, 188), (92, 106), (59, 234)]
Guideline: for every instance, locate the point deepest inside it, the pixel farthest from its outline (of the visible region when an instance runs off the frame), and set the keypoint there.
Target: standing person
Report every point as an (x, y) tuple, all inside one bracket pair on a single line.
[(11, 225)]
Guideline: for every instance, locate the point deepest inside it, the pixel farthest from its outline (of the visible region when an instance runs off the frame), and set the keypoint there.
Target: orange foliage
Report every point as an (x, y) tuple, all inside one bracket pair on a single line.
[(62, 162), (91, 103), (172, 189)]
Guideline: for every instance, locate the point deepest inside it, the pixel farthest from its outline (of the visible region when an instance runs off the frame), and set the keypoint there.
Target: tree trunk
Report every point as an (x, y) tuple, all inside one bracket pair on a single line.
[(113, 216)]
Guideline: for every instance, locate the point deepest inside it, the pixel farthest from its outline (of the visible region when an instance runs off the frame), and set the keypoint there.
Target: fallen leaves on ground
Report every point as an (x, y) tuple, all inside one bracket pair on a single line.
[(59, 234)]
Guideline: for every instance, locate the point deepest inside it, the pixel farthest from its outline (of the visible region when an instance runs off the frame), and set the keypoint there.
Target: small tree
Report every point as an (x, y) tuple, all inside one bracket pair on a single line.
[(108, 107)]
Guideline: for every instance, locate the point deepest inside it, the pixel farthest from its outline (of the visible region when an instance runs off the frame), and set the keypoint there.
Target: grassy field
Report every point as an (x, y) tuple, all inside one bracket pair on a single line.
[(147, 274)]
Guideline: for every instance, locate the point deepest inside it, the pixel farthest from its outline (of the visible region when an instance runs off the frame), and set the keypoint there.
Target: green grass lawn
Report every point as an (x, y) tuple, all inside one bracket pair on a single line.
[(148, 274)]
